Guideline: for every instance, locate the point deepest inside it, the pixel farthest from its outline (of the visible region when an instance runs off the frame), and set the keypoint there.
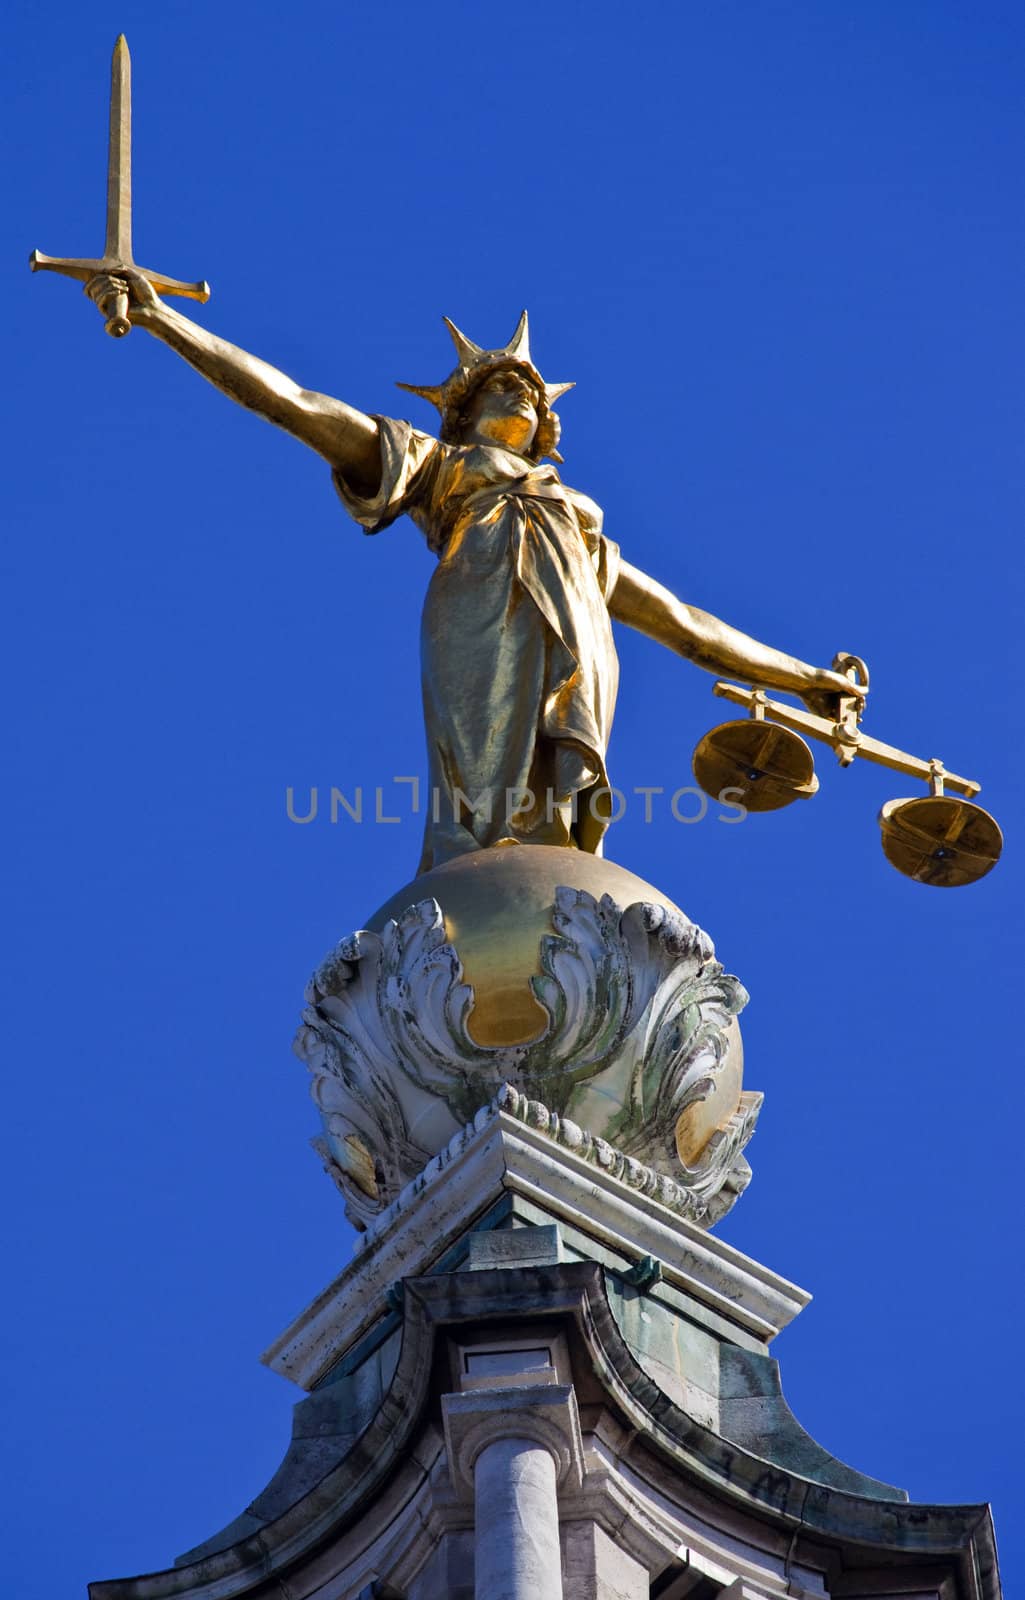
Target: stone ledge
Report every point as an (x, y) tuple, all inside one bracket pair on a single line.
[(511, 1146)]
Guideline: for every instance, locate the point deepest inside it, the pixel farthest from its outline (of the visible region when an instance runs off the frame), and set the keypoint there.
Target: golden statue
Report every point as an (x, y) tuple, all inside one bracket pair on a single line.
[(519, 665), (591, 978)]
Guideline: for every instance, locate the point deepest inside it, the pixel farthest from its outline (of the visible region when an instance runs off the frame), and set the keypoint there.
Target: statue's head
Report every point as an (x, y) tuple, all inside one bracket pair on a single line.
[(497, 394)]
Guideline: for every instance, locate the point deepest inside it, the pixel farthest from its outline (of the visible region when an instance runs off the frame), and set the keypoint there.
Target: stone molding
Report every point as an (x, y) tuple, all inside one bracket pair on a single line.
[(501, 1152), (704, 1192), (641, 1020)]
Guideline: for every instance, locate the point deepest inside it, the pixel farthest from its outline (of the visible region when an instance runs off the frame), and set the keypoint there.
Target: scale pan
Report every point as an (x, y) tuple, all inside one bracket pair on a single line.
[(765, 766), (940, 839)]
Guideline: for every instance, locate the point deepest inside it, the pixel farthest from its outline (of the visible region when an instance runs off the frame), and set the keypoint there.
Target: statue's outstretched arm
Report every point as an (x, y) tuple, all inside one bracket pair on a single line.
[(643, 604), (343, 436)]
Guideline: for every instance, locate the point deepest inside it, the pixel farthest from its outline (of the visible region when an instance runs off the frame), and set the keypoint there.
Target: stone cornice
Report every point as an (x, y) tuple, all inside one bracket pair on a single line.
[(514, 1144), (854, 1531)]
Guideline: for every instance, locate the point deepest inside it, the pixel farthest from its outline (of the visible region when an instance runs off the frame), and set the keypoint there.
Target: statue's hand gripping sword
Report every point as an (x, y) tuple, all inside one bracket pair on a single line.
[(117, 252)]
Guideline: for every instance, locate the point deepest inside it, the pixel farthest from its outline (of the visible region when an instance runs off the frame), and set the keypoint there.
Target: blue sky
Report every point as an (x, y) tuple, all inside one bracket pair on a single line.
[(780, 248)]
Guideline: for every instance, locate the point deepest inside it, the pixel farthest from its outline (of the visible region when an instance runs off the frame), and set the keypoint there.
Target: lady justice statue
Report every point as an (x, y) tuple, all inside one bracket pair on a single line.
[(519, 664), (519, 688), (543, 971)]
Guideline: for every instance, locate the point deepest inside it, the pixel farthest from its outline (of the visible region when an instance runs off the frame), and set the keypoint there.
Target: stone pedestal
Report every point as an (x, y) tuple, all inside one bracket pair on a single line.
[(610, 1011), (538, 1378), (542, 1377)]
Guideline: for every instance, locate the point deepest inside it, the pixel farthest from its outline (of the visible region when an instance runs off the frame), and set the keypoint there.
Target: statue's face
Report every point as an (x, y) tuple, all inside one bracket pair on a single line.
[(503, 410)]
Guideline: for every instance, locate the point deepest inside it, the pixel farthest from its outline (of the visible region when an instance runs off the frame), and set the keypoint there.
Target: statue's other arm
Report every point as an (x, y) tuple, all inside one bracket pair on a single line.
[(343, 436), (643, 604)]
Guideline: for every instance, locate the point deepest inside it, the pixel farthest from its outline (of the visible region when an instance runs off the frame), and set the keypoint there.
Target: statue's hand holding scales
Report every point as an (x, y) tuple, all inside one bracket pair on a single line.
[(519, 697)]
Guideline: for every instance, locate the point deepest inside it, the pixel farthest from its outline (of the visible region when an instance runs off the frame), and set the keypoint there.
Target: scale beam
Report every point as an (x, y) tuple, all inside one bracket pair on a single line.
[(117, 253), (845, 742), (940, 838)]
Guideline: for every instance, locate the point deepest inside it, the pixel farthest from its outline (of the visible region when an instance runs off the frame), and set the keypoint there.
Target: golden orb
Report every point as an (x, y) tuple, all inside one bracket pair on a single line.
[(497, 905)]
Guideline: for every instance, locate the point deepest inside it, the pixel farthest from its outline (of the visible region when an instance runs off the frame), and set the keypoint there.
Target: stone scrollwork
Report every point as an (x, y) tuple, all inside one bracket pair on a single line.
[(640, 1025)]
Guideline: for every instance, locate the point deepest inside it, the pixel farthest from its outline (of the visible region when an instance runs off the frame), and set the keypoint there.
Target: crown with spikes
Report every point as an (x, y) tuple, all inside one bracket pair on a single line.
[(476, 364)]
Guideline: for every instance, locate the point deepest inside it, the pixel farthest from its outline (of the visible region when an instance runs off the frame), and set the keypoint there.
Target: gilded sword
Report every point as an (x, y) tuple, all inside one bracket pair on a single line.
[(117, 251)]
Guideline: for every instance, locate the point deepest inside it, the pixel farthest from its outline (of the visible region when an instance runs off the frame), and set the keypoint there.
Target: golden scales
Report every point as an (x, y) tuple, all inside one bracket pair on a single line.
[(941, 838)]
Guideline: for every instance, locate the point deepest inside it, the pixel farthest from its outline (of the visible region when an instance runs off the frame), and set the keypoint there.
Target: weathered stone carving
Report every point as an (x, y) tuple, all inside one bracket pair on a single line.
[(640, 1027), (702, 1193)]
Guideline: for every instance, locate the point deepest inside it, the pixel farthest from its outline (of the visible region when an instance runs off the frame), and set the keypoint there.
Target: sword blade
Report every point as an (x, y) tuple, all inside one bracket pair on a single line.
[(119, 157)]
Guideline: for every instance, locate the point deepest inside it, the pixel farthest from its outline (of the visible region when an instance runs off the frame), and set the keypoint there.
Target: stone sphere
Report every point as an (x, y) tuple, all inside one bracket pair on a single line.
[(497, 905)]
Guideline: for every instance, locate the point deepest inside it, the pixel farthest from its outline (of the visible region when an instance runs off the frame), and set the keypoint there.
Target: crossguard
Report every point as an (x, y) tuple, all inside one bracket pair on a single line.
[(82, 269)]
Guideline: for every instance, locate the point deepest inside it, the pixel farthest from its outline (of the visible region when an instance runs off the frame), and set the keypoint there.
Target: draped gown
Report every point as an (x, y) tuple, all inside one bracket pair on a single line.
[(519, 668)]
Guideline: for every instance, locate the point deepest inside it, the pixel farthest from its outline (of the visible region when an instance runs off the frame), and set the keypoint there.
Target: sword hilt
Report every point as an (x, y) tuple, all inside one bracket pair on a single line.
[(115, 309)]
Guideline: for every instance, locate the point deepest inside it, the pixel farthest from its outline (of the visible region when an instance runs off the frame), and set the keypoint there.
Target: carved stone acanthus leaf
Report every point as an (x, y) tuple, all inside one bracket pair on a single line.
[(640, 1021)]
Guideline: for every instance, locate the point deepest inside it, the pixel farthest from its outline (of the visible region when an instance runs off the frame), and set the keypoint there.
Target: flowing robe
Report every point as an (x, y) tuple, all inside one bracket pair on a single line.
[(519, 669)]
